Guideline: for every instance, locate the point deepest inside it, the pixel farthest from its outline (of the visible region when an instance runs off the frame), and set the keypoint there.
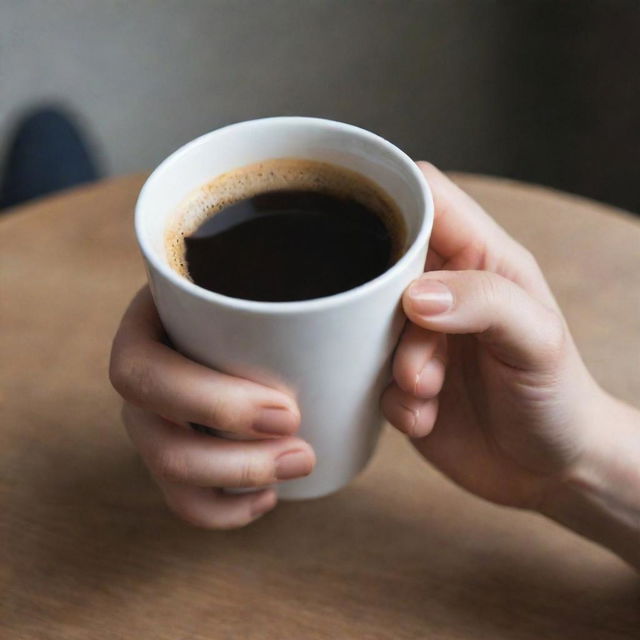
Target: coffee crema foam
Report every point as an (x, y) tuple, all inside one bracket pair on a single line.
[(278, 174)]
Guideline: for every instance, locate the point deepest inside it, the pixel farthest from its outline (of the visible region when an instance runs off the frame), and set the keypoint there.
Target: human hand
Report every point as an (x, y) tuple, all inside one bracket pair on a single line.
[(487, 379), (164, 392)]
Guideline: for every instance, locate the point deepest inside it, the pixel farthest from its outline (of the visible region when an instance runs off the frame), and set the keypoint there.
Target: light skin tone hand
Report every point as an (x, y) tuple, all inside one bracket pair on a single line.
[(165, 391), (491, 388), (511, 414), (487, 382)]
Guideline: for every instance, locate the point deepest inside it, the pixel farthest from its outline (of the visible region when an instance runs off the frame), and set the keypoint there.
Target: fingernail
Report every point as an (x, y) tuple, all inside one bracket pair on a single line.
[(430, 297), (263, 502), (275, 422), (292, 464)]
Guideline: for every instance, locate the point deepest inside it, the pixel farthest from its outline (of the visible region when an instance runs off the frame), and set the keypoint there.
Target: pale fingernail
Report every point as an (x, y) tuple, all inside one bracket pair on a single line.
[(263, 502), (430, 297), (275, 422), (293, 464)]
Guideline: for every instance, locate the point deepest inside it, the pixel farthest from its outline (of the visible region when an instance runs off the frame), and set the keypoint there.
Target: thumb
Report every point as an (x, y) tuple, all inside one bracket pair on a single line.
[(516, 328)]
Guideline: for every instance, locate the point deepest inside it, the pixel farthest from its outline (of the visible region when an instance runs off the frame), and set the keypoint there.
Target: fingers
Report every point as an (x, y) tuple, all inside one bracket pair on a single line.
[(149, 374), (410, 403), (413, 416), (190, 467), (178, 455), (213, 509), (464, 236), (461, 226), (420, 361), (519, 330)]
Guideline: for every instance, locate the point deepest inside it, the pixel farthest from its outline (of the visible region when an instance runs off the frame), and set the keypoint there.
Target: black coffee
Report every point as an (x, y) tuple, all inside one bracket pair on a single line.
[(289, 245), (284, 230)]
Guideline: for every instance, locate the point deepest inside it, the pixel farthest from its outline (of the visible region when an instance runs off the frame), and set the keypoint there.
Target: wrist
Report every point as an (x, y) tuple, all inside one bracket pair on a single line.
[(599, 496)]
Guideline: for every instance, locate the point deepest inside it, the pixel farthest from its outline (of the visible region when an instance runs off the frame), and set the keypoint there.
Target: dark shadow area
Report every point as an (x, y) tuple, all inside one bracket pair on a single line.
[(571, 90), (48, 151)]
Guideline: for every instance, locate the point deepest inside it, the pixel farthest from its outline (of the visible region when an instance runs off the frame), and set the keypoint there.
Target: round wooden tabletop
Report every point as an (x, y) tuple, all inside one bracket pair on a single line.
[(88, 550)]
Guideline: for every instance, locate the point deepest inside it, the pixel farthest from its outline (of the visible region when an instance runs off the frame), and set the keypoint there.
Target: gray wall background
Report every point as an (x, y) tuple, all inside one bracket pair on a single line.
[(543, 91)]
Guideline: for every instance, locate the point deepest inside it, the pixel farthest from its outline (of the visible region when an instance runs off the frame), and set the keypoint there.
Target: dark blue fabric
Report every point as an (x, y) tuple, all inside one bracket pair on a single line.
[(47, 154)]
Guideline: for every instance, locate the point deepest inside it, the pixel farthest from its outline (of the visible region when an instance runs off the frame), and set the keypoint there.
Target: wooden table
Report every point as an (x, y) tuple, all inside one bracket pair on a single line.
[(89, 551)]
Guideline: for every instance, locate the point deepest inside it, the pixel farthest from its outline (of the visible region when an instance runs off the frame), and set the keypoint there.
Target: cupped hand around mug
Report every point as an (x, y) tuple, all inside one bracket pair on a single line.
[(165, 393), (487, 379)]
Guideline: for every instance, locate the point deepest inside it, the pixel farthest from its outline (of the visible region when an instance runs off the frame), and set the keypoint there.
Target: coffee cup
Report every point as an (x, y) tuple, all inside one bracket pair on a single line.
[(331, 353)]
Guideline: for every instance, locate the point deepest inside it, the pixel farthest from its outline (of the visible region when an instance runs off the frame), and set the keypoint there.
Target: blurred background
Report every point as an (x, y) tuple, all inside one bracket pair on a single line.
[(542, 91)]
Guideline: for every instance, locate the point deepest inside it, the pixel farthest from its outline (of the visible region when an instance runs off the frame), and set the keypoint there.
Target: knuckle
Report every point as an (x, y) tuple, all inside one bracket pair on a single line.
[(166, 465), (403, 373), (213, 413), (407, 418), (429, 382), (489, 287), (255, 471), (476, 255), (229, 411), (554, 338), (130, 377), (399, 409)]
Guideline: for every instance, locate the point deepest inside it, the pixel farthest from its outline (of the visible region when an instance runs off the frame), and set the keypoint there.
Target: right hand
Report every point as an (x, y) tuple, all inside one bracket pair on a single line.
[(164, 392), (490, 386), (488, 381)]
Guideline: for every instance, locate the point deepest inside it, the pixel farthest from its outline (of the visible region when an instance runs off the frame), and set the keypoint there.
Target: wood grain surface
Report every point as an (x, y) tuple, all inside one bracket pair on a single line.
[(87, 549)]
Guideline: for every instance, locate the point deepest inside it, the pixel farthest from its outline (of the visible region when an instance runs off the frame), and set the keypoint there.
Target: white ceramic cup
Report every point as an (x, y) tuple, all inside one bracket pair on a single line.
[(333, 353)]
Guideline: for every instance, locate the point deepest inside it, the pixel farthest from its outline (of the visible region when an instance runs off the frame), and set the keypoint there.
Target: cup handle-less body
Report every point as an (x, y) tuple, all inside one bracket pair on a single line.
[(333, 353), (336, 362)]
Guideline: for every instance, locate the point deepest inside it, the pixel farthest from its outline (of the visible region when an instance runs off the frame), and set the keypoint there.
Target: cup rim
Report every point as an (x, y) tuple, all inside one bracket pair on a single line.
[(297, 306)]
